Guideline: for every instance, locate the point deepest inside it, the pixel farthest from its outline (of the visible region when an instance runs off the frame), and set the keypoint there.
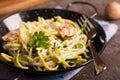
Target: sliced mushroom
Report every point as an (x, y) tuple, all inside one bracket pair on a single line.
[(11, 36), (67, 30)]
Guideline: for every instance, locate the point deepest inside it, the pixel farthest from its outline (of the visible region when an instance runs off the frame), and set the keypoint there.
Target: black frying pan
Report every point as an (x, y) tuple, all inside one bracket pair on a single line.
[(31, 15)]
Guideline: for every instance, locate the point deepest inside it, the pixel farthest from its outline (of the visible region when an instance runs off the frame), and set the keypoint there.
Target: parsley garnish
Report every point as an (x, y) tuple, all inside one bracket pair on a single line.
[(39, 39), (84, 26)]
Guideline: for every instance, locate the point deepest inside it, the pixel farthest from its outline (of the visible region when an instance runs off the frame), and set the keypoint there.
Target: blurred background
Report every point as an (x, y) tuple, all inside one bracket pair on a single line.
[(112, 51)]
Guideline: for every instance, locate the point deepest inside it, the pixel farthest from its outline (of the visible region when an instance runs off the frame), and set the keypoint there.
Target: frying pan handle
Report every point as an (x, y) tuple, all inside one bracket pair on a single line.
[(85, 3)]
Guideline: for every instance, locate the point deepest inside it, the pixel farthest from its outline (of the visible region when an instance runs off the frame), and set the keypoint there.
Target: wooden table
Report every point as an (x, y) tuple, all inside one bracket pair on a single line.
[(12, 6), (111, 54)]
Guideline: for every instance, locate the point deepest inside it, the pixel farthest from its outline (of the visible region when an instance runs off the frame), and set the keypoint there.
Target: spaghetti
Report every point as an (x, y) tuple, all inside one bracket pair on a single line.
[(46, 44)]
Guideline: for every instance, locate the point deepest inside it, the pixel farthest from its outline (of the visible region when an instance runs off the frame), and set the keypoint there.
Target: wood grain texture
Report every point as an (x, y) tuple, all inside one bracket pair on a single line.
[(111, 54), (11, 6)]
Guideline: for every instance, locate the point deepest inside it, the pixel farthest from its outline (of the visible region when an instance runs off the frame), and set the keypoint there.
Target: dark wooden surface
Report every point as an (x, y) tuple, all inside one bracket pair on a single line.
[(111, 54)]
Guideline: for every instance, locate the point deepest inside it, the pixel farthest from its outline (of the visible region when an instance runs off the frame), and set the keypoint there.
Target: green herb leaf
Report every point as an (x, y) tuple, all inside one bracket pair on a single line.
[(39, 39), (84, 26), (32, 41)]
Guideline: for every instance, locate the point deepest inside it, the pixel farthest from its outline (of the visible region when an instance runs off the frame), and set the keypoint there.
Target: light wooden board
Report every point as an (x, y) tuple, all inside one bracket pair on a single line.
[(11, 6)]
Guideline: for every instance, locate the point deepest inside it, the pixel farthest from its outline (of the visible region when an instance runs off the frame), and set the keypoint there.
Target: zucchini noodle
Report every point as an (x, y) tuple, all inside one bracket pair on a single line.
[(47, 44)]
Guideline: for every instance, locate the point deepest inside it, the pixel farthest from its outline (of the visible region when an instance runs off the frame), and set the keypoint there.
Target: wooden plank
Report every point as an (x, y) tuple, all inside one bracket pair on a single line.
[(11, 6)]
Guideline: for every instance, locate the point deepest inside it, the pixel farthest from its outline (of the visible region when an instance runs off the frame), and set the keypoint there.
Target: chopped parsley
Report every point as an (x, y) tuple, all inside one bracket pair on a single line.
[(84, 26), (39, 39)]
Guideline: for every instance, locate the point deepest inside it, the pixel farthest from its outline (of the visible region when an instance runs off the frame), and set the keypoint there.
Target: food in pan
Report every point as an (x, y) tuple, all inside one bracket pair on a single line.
[(46, 45)]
